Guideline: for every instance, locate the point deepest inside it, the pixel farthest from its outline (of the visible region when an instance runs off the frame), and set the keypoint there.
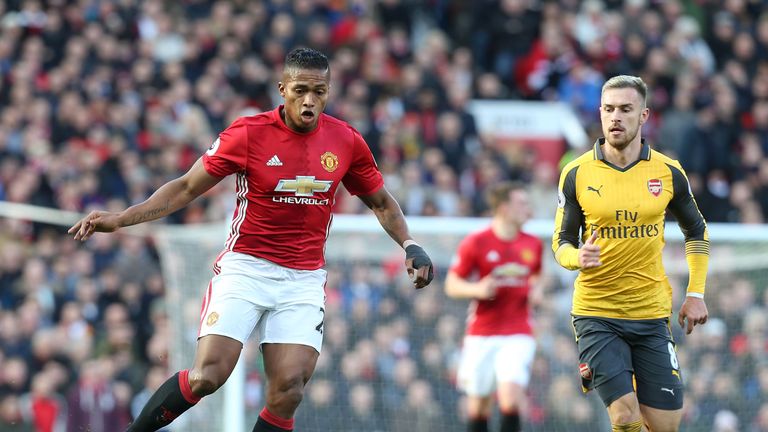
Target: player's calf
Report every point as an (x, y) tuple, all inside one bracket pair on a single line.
[(171, 400)]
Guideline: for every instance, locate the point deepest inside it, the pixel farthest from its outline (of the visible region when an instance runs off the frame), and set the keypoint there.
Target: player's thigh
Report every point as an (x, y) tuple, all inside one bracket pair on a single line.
[(657, 371), (288, 364), (227, 318), (511, 397), (291, 336), (625, 409), (659, 420), (479, 406), (298, 314), (476, 376), (231, 307), (514, 358), (216, 356), (605, 358)]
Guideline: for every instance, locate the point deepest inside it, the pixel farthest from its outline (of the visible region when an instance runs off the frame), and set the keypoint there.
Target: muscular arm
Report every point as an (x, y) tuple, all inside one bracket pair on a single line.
[(458, 287), (694, 228), (391, 218), (389, 214), (693, 311), (568, 222), (170, 197), (536, 293)]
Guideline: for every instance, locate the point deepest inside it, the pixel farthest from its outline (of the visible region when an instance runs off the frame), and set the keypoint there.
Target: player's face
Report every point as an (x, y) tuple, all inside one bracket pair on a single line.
[(518, 209), (305, 92), (622, 113)]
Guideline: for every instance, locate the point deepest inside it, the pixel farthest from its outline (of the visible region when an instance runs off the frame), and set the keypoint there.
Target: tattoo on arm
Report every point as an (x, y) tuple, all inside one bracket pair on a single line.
[(150, 214)]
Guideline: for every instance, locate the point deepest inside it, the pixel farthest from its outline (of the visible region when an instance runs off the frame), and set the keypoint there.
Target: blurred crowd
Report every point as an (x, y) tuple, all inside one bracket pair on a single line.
[(101, 102)]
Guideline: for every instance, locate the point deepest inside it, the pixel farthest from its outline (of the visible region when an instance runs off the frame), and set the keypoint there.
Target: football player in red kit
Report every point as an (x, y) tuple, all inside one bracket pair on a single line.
[(288, 163), (497, 268)]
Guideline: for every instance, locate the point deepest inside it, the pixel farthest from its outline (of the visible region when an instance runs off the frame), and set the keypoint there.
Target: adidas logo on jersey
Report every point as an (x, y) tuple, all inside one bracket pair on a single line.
[(274, 161)]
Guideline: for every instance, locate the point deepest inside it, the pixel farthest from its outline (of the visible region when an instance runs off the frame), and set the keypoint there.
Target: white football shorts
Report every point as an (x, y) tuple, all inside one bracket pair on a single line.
[(488, 360), (287, 305)]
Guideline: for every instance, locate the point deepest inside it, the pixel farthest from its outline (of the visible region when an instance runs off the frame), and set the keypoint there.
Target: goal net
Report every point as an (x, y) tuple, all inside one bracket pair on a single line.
[(390, 353)]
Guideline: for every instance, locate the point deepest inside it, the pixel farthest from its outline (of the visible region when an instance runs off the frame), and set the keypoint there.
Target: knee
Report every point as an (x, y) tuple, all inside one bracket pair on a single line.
[(625, 419), (509, 406), (204, 382), (624, 413), (287, 391)]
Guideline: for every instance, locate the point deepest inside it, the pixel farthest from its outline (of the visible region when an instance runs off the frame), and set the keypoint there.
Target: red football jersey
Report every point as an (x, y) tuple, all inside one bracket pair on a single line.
[(513, 262), (286, 182)]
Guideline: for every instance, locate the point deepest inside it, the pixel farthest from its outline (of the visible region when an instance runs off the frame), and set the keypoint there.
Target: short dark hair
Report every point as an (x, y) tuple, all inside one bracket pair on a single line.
[(627, 81), (499, 193), (306, 58)]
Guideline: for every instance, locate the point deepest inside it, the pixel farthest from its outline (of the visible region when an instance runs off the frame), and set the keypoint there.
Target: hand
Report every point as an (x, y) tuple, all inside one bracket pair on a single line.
[(536, 293), (695, 311), (486, 288), (96, 221), (418, 265), (589, 253)]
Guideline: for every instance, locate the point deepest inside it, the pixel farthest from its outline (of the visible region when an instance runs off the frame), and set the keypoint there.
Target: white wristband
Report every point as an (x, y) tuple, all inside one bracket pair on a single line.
[(408, 243), (695, 294)]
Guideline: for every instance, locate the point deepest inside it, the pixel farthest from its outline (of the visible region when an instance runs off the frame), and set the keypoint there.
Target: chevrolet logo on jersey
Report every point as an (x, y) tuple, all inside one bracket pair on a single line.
[(510, 275), (303, 186)]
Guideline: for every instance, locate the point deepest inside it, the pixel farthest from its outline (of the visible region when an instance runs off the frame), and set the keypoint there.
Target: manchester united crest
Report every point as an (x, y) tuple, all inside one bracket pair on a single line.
[(654, 187), (329, 161), (527, 256), (212, 318)]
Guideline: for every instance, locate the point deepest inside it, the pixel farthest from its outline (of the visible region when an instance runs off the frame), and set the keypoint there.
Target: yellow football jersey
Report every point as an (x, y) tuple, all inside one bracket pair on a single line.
[(627, 207)]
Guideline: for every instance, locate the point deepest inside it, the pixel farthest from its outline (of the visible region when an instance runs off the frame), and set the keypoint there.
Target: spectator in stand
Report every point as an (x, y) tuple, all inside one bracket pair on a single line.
[(98, 400), (11, 415), (361, 412)]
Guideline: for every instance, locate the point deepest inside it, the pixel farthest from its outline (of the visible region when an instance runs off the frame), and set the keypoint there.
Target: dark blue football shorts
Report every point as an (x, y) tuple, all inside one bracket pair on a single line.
[(619, 356)]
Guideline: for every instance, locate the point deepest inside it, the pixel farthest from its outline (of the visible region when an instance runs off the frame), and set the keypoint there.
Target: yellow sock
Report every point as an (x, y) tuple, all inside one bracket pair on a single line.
[(636, 426)]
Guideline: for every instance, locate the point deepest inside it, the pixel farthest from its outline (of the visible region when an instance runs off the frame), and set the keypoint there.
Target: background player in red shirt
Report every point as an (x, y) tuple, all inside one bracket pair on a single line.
[(289, 163), (498, 350)]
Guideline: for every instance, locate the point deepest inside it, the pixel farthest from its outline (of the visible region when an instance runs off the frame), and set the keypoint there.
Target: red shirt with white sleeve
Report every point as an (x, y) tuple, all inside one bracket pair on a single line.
[(286, 182), (513, 262)]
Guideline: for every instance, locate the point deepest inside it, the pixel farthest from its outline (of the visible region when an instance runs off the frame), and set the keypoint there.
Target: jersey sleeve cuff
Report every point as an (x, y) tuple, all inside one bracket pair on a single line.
[(372, 190), (211, 169), (697, 272), (568, 256), (695, 294)]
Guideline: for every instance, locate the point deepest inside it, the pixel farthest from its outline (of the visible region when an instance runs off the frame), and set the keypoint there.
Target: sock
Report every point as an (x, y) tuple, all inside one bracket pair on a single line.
[(628, 427), (269, 422), (169, 401), (477, 425), (510, 422)]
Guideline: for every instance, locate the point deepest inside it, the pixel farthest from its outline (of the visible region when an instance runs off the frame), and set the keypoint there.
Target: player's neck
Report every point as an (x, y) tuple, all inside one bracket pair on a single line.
[(504, 231), (624, 157)]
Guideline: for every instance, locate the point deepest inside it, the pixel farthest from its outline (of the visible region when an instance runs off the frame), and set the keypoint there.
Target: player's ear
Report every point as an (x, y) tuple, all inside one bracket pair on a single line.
[(281, 88), (644, 115)]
